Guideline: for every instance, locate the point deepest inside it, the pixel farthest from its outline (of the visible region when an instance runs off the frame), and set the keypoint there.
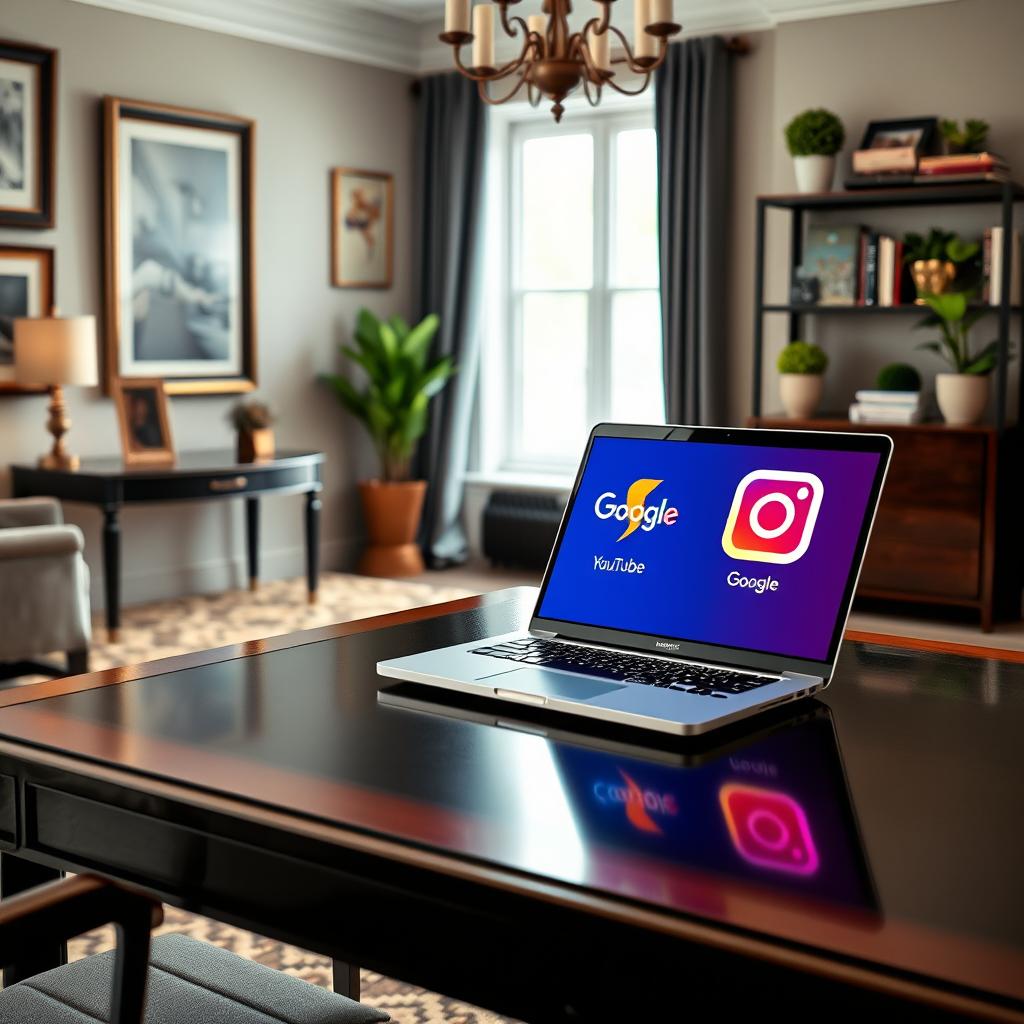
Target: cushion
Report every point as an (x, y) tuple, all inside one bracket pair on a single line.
[(189, 982)]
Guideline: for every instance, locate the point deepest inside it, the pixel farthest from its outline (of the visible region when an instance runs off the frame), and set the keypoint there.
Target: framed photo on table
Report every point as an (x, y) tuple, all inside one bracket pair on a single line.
[(180, 282), (917, 133), (28, 119), (145, 426), (362, 228), (26, 290)]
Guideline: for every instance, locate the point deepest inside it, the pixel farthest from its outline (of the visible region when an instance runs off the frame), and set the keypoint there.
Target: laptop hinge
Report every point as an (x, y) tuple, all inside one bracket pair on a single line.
[(545, 634)]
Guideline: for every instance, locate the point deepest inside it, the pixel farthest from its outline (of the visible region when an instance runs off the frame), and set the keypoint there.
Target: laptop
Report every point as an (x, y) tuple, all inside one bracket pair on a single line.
[(700, 575)]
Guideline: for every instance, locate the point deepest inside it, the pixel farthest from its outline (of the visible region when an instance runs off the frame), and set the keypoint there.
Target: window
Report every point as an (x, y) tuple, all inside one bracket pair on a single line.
[(573, 330)]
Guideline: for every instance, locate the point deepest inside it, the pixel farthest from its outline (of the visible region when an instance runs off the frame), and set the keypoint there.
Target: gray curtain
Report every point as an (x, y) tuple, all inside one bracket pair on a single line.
[(693, 120), (448, 190)]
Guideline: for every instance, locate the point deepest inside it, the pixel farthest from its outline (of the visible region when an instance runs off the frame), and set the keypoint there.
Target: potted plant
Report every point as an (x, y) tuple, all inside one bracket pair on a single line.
[(963, 393), (936, 260), (813, 138), (801, 366), (969, 139), (253, 421), (401, 380), (898, 377)]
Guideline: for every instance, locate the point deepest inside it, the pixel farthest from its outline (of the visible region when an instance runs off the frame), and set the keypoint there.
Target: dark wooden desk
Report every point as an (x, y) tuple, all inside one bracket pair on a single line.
[(561, 877), (195, 476)]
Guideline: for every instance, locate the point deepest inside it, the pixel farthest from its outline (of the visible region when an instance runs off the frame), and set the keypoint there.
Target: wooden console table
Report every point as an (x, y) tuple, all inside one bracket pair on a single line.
[(196, 476)]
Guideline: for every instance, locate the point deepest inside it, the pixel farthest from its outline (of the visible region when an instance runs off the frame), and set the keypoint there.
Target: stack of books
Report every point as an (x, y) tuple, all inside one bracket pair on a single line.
[(961, 167), (856, 267), (887, 407), (884, 280), (901, 165)]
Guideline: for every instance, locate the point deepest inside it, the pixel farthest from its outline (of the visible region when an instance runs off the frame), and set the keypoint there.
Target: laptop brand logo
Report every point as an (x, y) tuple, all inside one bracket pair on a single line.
[(772, 516), (666, 646), (635, 511)]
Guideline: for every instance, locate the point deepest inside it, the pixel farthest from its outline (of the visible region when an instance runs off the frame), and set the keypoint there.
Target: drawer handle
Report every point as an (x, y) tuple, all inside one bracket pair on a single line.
[(236, 483)]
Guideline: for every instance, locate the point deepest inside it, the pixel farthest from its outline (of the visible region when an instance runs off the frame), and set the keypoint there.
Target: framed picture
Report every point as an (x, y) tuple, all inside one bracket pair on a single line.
[(28, 118), (142, 417), (362, 228), (26, 289), (915, 132), (180, 292)]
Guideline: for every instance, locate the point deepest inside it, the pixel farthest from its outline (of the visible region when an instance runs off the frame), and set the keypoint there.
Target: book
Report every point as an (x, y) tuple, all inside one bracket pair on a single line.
[(899, 274), (970, 178), (864, 413), (871, 270), (885, 158), (832, 255), (955, 163), (872, 396), (886, 269), (995, 262)]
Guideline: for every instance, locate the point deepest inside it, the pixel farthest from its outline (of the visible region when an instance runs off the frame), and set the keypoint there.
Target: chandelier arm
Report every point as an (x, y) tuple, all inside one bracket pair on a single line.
[(487, 98), (630, 60), (593, 98), (509, 24), (497, 73), (630, 92)]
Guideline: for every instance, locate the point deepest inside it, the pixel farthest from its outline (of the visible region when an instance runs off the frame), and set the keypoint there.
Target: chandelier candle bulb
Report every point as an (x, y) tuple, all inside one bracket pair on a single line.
[(483, 36), (456, 16), (601, 49), (660, 12), (538, 23), (644, 44)]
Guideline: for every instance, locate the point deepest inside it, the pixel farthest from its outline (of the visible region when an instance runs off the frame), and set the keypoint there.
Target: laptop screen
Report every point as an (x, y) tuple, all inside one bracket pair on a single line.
[(742, 546)]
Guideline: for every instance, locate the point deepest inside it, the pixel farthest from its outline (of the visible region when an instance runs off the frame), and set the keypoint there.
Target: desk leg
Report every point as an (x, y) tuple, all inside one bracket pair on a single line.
[(252, 539), (346, 980), (313, 505), (112, 570), (17, 875)]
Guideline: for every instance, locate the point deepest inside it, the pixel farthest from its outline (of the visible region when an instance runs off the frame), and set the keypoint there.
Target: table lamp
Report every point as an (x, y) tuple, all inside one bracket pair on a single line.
[(53, 351)]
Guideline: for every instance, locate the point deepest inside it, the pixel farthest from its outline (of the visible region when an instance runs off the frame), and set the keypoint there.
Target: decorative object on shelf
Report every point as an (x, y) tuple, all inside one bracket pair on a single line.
[(832, 255), (180, 298), (393, 407), (26, 290), (801, 366), (145, 427), (28, 130), (969, 139), (813, 139), (52, 352), (553, 60), (806, 288), (894, 147), (993, 270), (938, 259), (362, 228), (253, 420), (962, 394), (896, 397), (898, 377)]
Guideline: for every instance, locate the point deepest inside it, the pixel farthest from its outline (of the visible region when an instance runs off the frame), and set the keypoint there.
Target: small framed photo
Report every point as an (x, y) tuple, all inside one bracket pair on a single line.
[(145, 428), (28, 116), (918, 133), (362, 228), (26, 290)]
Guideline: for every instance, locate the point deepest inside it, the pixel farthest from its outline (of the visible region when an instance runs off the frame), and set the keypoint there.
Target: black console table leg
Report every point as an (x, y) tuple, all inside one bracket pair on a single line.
[(252, 539), (313, 504), (346, 980), (17, 875), (112, 570)]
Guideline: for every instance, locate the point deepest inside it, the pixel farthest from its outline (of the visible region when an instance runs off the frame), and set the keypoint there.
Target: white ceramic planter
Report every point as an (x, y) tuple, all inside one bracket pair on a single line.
[(814, 173), (962, 397), (800, 394)]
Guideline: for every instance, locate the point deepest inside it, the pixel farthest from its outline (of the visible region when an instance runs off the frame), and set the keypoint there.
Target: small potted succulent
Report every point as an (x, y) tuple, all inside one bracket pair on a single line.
[(969, 139), (253, 420), (813, 138), (938, 259), (898, 377), (801, 366)]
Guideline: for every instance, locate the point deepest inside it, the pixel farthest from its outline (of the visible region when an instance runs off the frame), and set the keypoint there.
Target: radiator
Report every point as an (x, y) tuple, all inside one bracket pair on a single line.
[(519, 528)]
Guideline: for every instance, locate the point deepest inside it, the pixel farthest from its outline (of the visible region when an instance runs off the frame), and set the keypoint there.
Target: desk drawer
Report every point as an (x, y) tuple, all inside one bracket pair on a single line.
[(219, 485)]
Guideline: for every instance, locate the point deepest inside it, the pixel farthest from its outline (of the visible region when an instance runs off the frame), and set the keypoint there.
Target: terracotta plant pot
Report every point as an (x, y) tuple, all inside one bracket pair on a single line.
[(255, 444), (800, 394), (962, 397), (392, 512), (931, 277)]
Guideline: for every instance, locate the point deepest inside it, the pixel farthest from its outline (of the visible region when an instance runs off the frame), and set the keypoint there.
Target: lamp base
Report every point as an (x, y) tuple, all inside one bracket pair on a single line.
[(61, 461), (58, 425)]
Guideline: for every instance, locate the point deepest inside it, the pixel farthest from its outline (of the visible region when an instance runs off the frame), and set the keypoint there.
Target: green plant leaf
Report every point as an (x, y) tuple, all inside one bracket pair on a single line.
[(949, 306), (984, 361), (347, 394), (364, 358), (436, 377), (960, 251), (417, 342)]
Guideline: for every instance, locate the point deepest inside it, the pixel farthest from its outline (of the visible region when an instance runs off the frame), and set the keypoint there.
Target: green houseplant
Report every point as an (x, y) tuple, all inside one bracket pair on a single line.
[(898, 377), (801, 366), (400, 381), (969, 139), (938, 259), (813, 139)]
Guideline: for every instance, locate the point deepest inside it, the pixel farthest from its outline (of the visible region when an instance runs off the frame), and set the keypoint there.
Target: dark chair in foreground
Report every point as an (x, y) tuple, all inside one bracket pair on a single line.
[(187, 982)]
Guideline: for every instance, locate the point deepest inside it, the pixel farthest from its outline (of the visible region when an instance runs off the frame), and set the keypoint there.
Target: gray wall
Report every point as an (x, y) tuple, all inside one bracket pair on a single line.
[(952, 60), (312, 113)]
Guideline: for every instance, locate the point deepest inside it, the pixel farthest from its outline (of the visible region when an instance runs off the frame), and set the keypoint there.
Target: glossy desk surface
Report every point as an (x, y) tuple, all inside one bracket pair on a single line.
[(216, 460), (902, 796)]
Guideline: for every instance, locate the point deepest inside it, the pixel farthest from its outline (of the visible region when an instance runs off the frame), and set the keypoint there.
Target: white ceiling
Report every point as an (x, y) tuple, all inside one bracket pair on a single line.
[(402, 34)]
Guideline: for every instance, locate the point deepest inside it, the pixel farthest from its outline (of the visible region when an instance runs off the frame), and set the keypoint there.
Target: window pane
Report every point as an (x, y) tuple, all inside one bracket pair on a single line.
[(636, 370), (553, 399), (635, 210), (558, 212)]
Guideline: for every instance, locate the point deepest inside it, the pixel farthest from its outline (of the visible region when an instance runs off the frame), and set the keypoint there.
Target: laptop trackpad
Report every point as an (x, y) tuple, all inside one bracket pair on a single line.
[(551, 684)]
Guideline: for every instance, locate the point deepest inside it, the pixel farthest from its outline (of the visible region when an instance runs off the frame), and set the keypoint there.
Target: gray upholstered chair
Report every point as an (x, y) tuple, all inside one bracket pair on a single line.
[(44, 589)]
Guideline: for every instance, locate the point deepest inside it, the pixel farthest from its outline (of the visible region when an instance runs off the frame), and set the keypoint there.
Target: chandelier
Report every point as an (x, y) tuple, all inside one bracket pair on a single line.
[(554, 60)]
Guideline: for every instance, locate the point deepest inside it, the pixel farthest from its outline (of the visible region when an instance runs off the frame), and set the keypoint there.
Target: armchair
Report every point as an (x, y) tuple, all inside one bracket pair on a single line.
[(44, 589)]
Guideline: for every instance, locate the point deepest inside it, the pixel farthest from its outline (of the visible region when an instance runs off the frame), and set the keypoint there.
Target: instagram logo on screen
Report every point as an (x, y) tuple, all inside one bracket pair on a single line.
[(772, 516), (768, 829)]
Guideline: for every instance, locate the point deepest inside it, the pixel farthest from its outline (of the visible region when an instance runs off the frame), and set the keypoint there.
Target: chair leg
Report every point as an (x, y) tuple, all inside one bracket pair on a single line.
[(78, 661), (346, 980)]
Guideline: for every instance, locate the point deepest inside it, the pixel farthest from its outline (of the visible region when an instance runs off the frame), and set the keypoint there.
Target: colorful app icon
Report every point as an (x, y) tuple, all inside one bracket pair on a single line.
[(772, 516), (768, 829)]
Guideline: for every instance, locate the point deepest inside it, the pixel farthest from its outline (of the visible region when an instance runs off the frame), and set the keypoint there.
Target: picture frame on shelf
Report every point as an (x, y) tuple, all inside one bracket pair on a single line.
[(26, 290), (28, 133), (362, 228), (143, 421), (179, 247), (917, 133)]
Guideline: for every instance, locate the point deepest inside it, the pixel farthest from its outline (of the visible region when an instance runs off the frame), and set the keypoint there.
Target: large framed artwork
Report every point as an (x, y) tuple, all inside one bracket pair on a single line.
[(180, 292), (362, 228), (28, 117), (26, 290)]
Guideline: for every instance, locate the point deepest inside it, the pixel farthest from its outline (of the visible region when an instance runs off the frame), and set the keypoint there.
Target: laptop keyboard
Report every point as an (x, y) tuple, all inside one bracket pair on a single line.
[(705, 680)]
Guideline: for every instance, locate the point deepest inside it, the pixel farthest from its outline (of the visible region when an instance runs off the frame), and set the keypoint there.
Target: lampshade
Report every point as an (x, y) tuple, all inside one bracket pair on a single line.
[(56, 350)]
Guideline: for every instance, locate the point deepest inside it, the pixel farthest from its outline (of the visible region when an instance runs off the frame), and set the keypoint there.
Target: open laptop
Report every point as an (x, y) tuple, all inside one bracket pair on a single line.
[(699, 575)]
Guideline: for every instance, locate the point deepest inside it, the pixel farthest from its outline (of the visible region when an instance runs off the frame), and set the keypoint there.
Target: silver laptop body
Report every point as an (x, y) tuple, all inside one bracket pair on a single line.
[(699, 575)]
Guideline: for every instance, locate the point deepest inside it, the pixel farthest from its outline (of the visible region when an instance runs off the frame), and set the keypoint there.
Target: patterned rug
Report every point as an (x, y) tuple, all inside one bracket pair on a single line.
[(198, 623)]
